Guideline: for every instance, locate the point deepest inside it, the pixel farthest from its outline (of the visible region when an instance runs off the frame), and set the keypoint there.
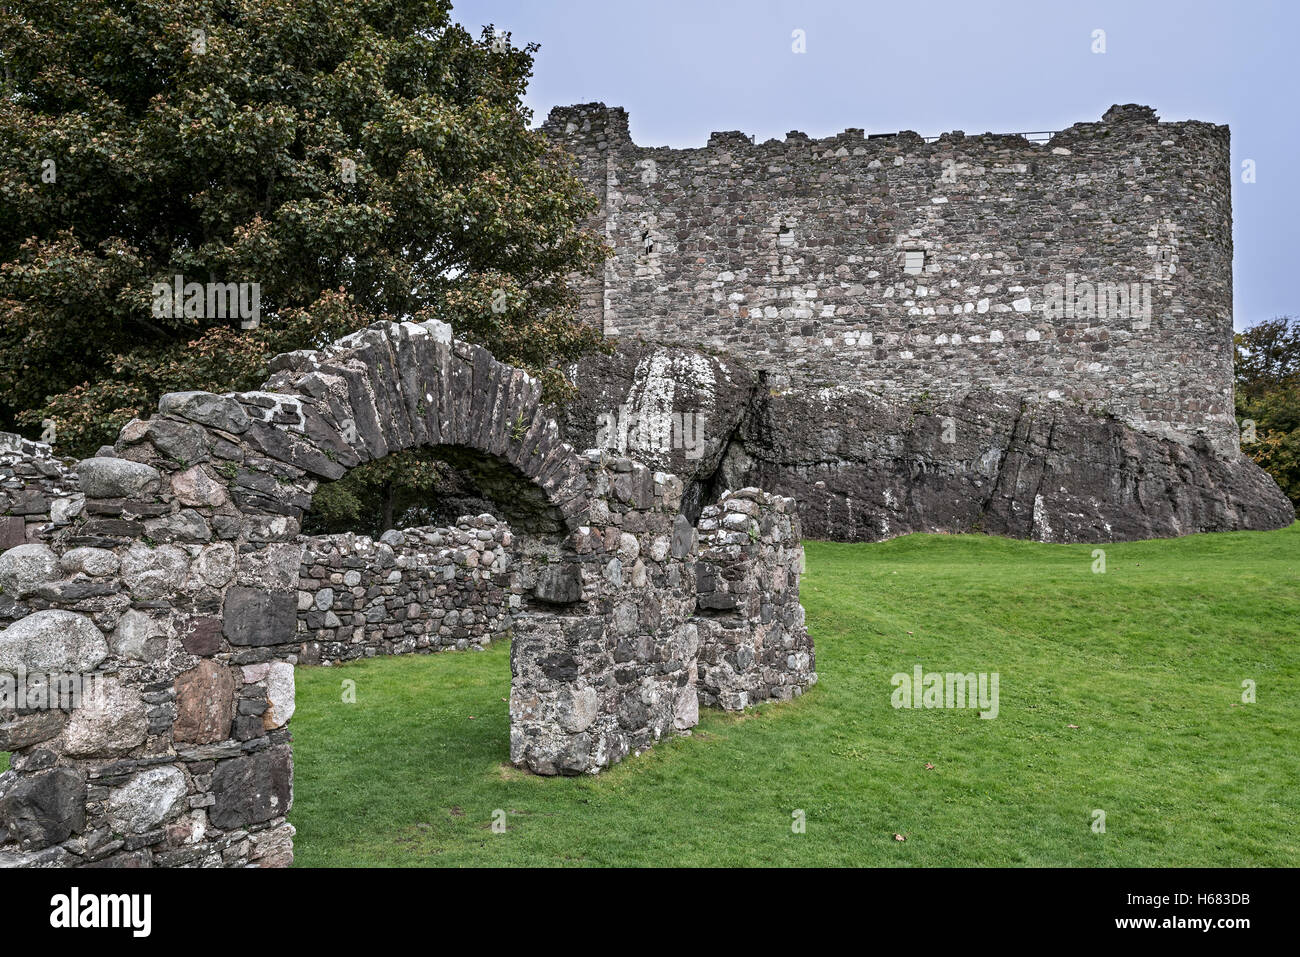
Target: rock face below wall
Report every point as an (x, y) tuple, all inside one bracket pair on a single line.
[(675, 409), (863, 468)]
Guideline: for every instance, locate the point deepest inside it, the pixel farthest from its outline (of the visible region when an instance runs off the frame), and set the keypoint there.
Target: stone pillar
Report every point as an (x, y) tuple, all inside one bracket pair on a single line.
[(753, 642), (603, 657)]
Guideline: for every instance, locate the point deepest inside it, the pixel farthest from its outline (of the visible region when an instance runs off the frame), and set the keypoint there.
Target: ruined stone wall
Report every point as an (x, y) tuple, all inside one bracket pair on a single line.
[(174, 593), (914, 269), (37, 491), (177, 752), (413, 590), (603, 657), (753, 642)]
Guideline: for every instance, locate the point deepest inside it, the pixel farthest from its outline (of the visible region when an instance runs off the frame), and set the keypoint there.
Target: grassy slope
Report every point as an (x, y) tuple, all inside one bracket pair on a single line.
[(1147, 660)]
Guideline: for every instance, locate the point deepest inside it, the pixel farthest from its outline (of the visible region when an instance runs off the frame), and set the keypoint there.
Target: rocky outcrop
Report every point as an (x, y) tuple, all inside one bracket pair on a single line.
[(674, 409), (864, 468)]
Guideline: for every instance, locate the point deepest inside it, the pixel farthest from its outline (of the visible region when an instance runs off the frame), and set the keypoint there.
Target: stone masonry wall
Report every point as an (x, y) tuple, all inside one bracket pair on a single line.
[(37, 491), (174, 593), (753, 642), (414, 590), (907, 268), (38, 494), (603, 657)]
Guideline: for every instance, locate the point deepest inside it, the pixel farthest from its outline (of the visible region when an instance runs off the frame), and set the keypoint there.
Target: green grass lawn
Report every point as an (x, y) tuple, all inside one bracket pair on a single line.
[(1146, 659)]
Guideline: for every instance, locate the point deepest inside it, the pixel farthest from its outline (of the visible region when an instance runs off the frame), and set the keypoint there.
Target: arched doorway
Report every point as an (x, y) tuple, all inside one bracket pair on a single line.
[(188, 759), (602, 643)]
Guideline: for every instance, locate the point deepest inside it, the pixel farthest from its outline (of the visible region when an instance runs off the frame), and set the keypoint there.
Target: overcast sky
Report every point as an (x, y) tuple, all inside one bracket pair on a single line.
[(684, 68)]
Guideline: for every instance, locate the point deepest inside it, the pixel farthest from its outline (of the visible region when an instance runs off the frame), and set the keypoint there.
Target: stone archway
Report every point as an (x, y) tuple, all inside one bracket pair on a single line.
[(601, 653), (176, 583)]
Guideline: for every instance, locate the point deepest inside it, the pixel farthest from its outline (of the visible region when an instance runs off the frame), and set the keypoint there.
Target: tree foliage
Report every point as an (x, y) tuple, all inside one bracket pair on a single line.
[(1267, 369), (358, 159), (398, 491)]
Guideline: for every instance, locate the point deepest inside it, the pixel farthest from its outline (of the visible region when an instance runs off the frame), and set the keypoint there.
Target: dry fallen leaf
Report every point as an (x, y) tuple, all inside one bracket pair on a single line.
[(929, 766), (1072, 726), (899, 837)]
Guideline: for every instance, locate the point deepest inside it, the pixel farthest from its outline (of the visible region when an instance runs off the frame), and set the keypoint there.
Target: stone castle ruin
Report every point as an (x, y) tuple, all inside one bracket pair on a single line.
[(167, 579), (965, 333), (859, 336)]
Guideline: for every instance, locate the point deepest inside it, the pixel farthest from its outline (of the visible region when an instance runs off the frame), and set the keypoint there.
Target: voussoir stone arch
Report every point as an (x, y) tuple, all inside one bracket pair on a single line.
[(398, 386)]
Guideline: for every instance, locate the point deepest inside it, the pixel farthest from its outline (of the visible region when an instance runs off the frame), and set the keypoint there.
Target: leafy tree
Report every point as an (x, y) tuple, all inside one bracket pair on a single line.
[(398, 491), (1267, 370), (1267, 356), (357, 159)]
